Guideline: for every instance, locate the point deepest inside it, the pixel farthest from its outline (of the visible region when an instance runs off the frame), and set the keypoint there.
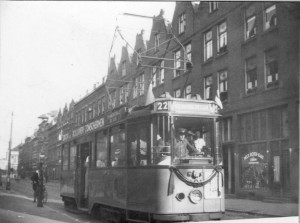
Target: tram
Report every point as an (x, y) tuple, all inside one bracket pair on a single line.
[(129, 165)]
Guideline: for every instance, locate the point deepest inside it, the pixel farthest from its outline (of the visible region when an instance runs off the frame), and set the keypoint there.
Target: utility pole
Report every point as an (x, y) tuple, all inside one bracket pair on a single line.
[(9, 155)]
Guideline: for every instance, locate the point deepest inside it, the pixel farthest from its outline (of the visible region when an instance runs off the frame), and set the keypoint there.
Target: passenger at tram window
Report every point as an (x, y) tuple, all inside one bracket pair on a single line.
[(190, 137), (143, 152), (199, 142), (163, 153), (182, 146), (87, 162), (101, 159)]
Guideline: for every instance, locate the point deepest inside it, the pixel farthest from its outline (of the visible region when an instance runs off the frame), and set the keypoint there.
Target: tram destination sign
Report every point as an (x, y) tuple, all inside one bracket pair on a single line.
[(186, 107)]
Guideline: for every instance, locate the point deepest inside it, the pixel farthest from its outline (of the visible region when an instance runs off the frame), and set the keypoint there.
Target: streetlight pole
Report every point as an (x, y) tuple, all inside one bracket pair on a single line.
[(9, 155)]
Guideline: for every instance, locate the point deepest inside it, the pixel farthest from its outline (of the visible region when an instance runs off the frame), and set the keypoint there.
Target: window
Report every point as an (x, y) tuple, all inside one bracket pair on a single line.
[(101, 150), (208, 83), (213, 6), (138, 57), (134, 93), (94, 109), (126, 93), (156, 41), (270, 18), (188, 92), (177, 93), (112, 100), (250, 22), (181, 23), (138, 144), (158, 74), (188, 55), (223, 85), (271, 67), (101, 106), (177, 63), (121, 95), (222, 37), (141, 80), (251, 75), (72, 157), (123, 68), (208, 45), (65, 157), (117, 146)]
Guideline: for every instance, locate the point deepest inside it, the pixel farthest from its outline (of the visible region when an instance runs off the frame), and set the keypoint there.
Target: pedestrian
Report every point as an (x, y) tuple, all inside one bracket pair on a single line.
[(35, 181)]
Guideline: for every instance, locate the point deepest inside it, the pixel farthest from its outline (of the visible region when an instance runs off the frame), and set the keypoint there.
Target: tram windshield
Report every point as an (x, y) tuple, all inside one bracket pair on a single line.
[(193, 140)]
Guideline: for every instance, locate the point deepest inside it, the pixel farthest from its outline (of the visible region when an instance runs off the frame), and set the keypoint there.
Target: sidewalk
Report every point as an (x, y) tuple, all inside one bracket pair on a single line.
[(261, 208)]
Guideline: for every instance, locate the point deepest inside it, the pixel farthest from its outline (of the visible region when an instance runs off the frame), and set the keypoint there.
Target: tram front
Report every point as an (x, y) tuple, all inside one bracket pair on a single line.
[(185, 138)]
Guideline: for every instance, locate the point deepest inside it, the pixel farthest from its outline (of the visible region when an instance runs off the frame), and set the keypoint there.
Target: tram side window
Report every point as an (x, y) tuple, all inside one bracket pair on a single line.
[(101, 148), (137, 144), (161, 145), (72, 157), (65, 153), (117, 146)]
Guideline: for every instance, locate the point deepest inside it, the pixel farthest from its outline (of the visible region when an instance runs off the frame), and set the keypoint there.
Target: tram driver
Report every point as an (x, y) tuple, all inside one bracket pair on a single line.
[(183, 147)]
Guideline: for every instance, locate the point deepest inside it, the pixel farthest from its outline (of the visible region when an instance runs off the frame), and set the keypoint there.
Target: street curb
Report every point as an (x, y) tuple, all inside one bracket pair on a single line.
[(253, 213)]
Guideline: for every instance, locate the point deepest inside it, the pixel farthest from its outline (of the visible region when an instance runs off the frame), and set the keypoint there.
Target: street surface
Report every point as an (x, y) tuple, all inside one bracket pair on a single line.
[(17, 206)]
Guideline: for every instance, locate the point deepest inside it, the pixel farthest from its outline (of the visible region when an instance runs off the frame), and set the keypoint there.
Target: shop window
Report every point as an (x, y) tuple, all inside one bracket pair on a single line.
[(181, 23), (223, 85), (208, 84), (250, 24), (270, 17), (253, 166), (222, 37), (271, 68), (251, 75), (101, 149), (208, 45), (117, 146)]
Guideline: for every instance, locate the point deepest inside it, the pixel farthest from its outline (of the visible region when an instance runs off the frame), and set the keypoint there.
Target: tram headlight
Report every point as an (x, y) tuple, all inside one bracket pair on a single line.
[(195, 196), (180, 196)]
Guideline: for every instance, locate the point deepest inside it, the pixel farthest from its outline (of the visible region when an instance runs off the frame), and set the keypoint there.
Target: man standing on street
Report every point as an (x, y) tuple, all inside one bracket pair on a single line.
[(35, 180)]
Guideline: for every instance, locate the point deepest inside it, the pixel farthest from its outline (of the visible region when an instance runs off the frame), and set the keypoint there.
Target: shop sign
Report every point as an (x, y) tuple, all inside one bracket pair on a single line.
[(88, 127), (113, 117), (252, 156), (66, 136)]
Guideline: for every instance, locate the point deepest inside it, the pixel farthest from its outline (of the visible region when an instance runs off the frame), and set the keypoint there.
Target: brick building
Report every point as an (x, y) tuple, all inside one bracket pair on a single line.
[(248, 51)]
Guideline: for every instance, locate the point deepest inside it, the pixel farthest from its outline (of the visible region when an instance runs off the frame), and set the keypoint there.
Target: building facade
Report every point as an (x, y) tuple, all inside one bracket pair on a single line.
[(247, 53)]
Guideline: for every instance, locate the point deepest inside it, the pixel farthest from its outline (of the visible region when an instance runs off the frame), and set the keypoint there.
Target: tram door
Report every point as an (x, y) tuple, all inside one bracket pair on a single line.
[(83, 163)]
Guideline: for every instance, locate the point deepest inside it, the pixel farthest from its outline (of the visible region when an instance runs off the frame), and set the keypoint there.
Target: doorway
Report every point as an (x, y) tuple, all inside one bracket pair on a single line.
[(228, 161)]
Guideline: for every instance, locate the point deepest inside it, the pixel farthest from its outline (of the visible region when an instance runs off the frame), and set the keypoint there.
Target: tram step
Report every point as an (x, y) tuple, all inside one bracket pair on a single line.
[(276, 200)]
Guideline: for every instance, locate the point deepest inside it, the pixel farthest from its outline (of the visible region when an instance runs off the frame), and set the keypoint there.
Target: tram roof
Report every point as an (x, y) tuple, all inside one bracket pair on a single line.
[(177, 106)]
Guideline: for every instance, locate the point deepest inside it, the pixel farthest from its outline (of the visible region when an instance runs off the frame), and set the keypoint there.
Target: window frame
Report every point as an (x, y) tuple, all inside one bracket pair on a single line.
[(249, 73), (177, 63), (267, 23), (181, 23), (222, 38), (208, 87), (268, 64), (208, 46), (213, 6), (223, 85)]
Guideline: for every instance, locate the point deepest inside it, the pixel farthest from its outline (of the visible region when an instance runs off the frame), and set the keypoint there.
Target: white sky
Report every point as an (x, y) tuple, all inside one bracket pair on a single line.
[(53, 52)]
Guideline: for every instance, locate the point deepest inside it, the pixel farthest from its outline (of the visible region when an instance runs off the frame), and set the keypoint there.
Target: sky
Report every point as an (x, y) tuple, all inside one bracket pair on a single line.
[(53, 51)]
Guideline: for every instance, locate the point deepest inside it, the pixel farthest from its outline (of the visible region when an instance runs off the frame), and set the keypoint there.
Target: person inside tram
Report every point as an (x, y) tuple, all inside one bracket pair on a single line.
[(163, 151), (199, 142), (183, 147)]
